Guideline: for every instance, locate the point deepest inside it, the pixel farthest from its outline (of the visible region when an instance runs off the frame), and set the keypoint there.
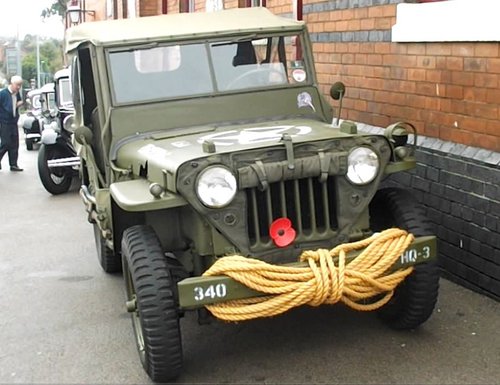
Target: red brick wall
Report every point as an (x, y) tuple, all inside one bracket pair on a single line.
[(447, 90), (149, 7)]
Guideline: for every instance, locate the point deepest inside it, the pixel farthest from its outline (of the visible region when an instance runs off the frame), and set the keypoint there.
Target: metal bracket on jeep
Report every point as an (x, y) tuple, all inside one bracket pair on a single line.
[(205, 290)]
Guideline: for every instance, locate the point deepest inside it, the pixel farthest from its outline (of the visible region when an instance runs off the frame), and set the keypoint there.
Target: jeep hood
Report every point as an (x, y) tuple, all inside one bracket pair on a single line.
[(157, 156)]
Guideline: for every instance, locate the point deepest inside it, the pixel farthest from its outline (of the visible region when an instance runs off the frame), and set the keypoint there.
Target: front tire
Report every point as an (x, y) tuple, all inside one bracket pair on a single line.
[(57, 180), (415, 298), (151, 300)]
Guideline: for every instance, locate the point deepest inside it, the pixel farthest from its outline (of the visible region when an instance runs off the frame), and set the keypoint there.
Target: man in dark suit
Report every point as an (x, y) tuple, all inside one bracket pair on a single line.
[(10, 101)]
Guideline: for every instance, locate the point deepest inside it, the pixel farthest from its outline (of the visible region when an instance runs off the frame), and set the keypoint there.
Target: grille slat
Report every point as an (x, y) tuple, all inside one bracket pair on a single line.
[(254, 213), (326, 204), (284, 212), (312, 206), (308, 203), (298, 206), (269, 204)]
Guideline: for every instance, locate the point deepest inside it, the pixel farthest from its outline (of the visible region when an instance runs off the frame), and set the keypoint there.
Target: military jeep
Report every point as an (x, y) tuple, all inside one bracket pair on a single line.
[(198, 133)]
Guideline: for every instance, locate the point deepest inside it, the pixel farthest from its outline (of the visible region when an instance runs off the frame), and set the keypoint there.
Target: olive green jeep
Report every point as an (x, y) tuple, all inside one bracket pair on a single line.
[(206, 135)]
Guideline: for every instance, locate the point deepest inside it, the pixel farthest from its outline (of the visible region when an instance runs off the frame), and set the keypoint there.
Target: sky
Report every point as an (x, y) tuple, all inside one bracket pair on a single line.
[(24, 16)]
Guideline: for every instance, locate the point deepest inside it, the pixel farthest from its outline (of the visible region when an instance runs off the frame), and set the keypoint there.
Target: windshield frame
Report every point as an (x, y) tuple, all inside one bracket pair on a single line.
[(298, 39)]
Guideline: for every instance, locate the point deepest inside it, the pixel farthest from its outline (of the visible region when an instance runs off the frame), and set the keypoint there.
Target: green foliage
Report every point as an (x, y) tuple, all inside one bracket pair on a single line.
[(57, 8), (29, 67), (51, 58)]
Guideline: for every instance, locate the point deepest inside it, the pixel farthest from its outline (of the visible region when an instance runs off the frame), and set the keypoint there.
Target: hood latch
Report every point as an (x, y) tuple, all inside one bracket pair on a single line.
[(287, 140)]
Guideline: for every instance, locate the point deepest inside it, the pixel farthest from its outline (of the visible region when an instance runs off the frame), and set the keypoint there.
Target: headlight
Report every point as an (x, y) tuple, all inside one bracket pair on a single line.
[(363, 165), (216, 186)]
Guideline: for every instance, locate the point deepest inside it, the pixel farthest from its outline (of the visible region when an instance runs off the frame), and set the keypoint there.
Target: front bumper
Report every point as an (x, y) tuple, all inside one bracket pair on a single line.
[(216, 289)]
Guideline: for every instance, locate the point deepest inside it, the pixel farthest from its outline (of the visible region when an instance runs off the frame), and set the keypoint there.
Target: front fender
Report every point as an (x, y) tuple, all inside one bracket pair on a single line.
[(49, 135), (134, 195)]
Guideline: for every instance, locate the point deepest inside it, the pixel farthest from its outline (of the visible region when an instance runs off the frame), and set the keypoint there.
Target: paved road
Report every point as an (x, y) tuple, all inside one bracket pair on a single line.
[(62, 320)]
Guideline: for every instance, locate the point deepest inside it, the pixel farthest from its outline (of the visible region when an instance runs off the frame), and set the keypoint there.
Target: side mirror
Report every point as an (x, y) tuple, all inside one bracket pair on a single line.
[(337, 90)]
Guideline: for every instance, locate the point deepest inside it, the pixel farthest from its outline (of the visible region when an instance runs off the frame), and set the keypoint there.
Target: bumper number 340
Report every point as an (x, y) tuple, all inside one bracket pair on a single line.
[(212, 292)]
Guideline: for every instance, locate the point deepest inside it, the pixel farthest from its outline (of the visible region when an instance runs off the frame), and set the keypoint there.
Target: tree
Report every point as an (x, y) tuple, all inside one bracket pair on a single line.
[(51, 59), (57, 8)]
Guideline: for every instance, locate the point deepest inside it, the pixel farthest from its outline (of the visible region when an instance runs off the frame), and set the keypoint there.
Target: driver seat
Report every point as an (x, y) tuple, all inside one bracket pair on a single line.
[(245, 54)]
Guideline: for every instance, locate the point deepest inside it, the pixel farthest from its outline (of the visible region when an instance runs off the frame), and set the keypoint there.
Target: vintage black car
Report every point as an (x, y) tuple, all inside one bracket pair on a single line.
[(57, 160), (38, 100)]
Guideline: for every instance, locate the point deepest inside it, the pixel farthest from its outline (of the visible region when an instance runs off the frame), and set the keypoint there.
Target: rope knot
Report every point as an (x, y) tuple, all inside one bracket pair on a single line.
[(363, 284)]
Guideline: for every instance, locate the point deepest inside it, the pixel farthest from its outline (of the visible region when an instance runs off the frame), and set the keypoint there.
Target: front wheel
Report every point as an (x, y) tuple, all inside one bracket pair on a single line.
[(55, 180), (151, 300), (415, 298)]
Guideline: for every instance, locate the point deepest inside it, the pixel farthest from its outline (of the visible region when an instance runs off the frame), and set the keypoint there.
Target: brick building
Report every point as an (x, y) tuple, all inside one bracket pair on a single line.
[(428, 64)]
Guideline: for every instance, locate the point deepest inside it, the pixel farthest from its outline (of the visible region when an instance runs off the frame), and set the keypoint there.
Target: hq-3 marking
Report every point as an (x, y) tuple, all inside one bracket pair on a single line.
[(412, 255)]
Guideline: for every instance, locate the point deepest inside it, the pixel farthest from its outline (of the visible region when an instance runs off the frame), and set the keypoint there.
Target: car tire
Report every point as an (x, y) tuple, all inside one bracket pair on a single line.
[(415, 298), (56, 181), (150, 286), (109, 261), (29, 144)]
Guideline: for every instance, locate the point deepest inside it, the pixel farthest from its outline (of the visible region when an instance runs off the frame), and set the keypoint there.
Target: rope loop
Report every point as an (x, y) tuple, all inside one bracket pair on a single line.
[(364, 284)]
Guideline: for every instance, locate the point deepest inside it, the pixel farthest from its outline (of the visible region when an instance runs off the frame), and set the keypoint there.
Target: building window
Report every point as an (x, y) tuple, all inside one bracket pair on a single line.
[(214, 5), (131, 8)]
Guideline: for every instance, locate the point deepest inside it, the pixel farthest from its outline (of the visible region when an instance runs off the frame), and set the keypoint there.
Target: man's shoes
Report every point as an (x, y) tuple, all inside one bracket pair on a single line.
[(15, 168)]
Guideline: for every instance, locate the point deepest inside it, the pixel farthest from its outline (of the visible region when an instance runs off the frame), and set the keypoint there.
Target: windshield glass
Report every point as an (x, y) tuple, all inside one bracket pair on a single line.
[(48, 101), (64, 93), (35, 102), (164, 72)]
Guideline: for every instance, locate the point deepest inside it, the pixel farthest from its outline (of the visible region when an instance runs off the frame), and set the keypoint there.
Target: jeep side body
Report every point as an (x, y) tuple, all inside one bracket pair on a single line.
[(197, 132)]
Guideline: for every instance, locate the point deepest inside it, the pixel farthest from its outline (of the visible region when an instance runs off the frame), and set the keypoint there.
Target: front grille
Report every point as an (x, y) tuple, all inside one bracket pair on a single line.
[(308, 203)]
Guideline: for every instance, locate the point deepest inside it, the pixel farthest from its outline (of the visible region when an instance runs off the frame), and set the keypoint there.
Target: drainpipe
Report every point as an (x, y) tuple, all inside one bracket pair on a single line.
[(297, 14)]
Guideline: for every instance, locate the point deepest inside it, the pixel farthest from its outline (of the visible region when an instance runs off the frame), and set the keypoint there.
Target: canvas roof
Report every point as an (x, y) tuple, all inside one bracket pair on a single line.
[(178, 26)]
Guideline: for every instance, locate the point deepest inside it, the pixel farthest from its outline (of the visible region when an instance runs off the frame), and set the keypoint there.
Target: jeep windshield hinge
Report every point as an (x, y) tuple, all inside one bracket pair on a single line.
[(287, 140)]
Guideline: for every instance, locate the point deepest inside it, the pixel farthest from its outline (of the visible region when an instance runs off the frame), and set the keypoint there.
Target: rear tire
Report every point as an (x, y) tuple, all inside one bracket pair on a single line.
[(150, 287), (29, 144), (415, 298)]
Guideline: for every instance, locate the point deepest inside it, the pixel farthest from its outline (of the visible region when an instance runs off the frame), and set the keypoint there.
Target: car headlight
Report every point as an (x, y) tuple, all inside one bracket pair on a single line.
[(362, 165), (216, 186)]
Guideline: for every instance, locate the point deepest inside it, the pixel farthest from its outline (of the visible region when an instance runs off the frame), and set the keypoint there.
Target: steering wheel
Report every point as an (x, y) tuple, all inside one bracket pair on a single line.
[(258, 76)]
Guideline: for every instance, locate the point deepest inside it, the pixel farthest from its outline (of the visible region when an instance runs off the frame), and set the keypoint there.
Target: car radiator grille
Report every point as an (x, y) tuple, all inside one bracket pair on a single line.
[(308, 203)]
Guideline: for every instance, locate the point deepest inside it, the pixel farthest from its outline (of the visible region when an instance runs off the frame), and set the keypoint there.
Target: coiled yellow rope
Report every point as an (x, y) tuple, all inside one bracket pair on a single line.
[(321, 282)]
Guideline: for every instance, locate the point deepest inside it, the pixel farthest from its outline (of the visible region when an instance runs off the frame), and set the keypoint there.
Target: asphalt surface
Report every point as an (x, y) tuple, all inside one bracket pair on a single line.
[(63, 320)]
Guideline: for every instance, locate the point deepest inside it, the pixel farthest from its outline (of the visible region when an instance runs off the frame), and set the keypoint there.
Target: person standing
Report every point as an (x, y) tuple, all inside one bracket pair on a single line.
[(10, 101)]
